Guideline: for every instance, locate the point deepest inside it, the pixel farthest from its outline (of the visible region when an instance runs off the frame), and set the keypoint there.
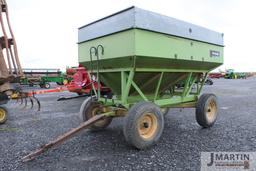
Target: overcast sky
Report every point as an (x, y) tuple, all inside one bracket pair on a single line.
[(46, 30)]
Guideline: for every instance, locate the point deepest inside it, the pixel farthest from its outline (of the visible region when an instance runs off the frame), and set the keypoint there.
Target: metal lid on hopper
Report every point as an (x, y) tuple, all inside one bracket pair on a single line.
[(135, 17)]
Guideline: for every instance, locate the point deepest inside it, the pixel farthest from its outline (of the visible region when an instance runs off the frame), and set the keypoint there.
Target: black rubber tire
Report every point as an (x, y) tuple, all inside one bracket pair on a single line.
[(130, 128), (2, 121), (47, 85), (86, 113), (201, 110)]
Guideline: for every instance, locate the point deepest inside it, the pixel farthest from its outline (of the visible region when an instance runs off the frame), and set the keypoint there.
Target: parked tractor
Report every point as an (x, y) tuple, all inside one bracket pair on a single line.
[(230, 74)]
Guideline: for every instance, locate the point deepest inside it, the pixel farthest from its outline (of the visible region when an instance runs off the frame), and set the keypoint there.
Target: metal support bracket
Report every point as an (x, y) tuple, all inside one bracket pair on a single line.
[(127, 86), (158, 85), (187, 84), (139, 91)]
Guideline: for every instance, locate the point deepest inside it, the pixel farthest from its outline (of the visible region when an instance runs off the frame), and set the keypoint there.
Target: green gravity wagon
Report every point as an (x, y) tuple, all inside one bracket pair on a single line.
[(141, 57)]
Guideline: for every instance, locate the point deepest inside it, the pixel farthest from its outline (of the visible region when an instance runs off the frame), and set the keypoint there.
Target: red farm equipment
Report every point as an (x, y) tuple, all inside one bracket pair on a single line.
[(81, 82)]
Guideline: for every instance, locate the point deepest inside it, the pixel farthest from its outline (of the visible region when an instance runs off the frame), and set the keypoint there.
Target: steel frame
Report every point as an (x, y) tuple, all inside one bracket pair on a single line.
[(181, 98)]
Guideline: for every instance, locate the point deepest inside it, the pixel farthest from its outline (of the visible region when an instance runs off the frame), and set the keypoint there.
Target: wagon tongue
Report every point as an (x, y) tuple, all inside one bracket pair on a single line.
[(59, 140)]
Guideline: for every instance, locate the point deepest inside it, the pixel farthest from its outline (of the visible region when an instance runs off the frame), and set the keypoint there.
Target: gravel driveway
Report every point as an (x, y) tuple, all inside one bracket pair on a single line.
[(178, 149)]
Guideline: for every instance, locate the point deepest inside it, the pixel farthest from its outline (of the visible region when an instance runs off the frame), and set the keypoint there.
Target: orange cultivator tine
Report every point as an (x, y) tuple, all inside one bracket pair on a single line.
[(38, 103), (23, 99), (26, 102), (32, 103), (32, 98)]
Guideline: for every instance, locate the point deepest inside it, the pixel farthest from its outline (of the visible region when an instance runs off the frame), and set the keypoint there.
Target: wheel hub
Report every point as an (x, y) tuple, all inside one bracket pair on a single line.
[(147, 125), (211, 110)]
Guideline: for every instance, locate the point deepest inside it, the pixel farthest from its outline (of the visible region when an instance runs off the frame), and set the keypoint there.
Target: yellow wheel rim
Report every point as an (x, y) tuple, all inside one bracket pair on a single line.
[(147, 125), (211, 110), (2, 114)]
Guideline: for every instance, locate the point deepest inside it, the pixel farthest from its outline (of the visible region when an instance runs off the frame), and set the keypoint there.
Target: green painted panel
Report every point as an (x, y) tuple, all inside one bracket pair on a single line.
[(116, 45), (153, 44), (152, 50), (124, 62), (167, 63)]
